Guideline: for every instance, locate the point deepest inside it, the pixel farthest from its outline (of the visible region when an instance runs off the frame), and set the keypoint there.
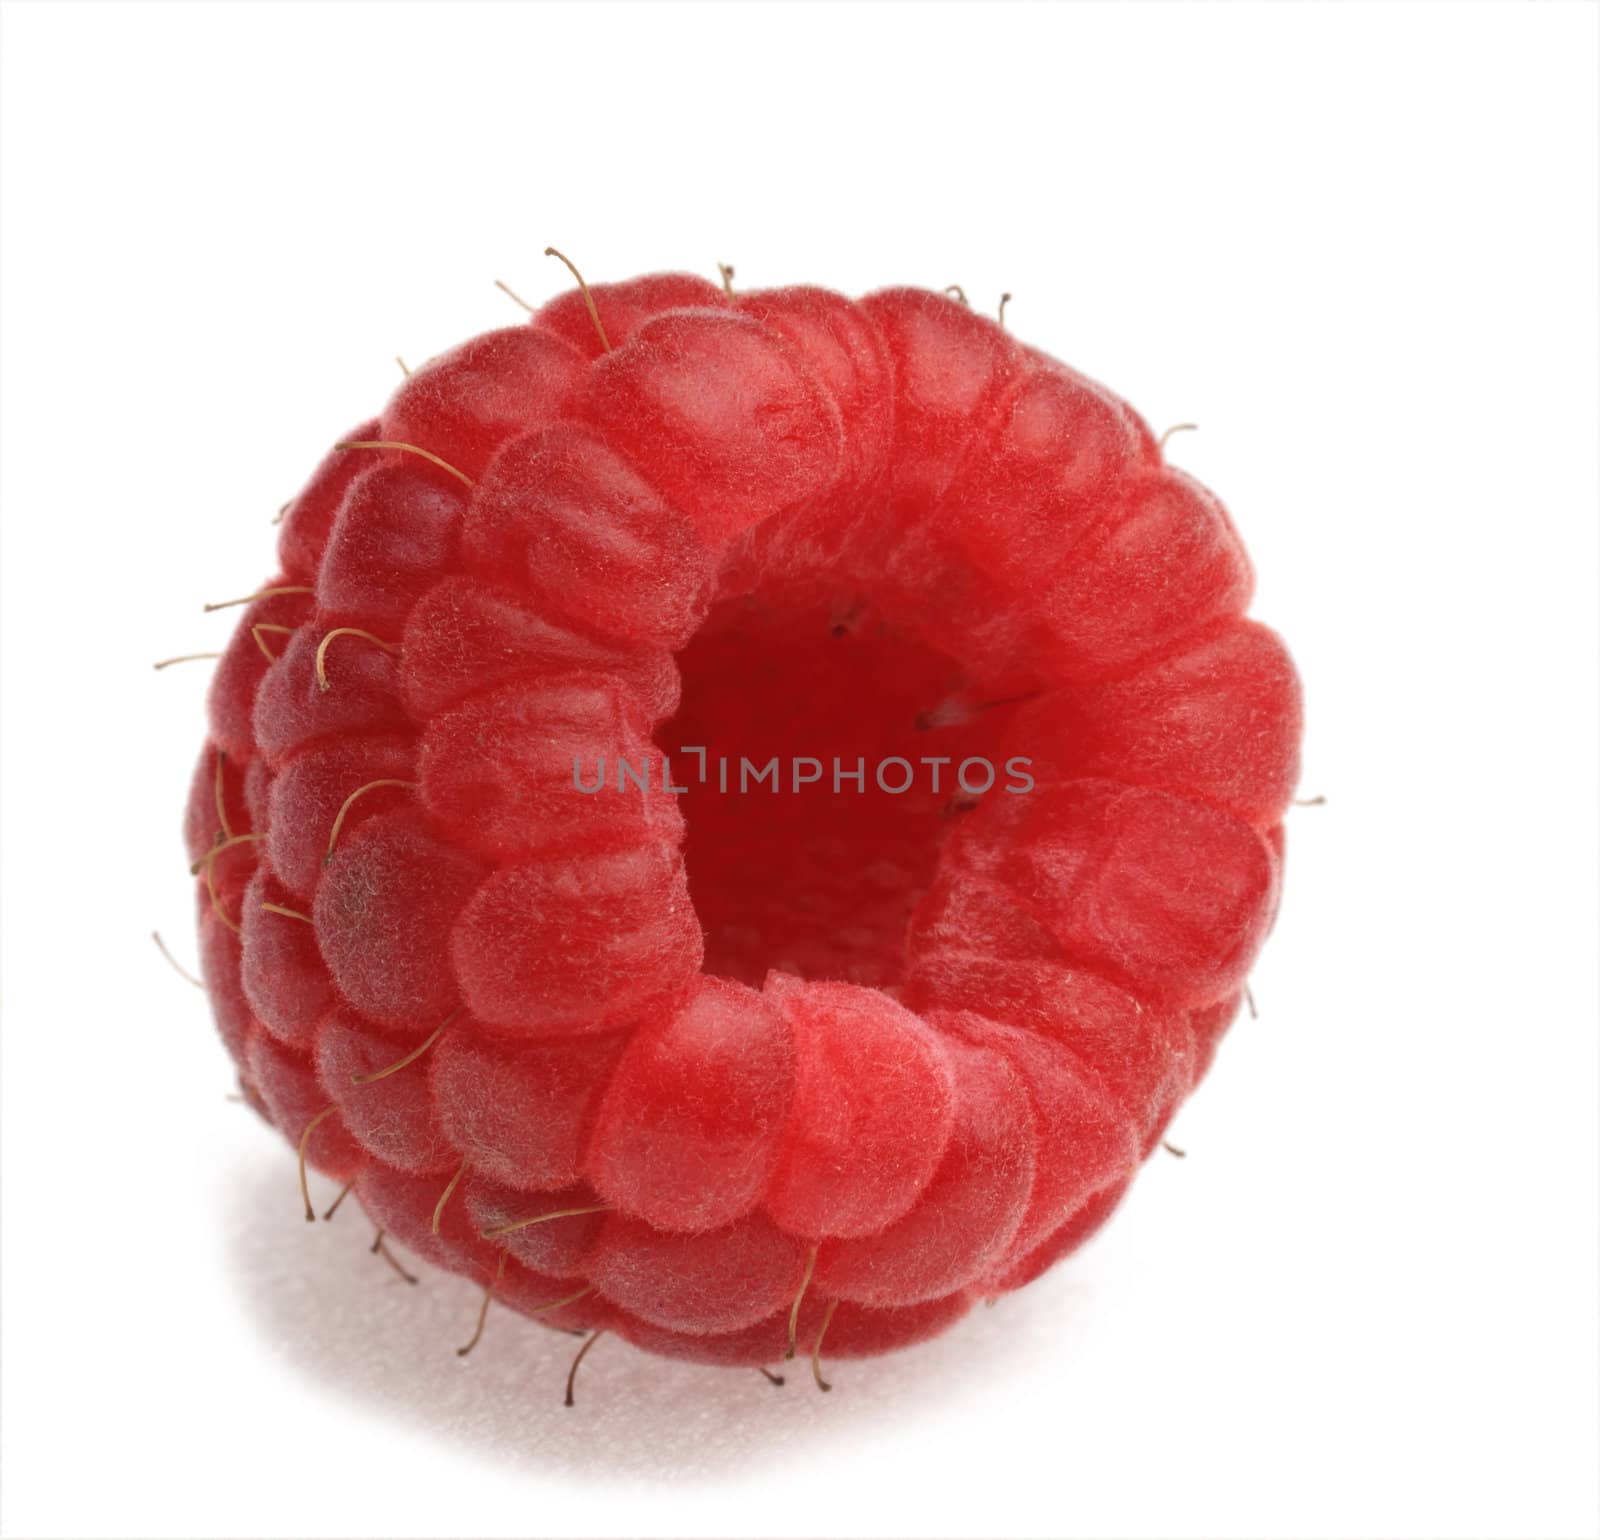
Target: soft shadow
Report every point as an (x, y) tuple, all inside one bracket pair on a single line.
[(341, 1316)]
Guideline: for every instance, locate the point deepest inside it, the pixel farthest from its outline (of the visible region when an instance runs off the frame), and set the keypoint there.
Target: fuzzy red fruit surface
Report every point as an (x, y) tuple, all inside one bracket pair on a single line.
[(971, 1208), (281, 970), (873, 1109), (572, 527), (623, 308), (463, 405), (520, 1111), (1052, 459), (397, 527), (1217, 721), (391, 1116), (592, 868), (714, 1281), (465, 635), (950, 369), (688, 1132), (384, 913), (582, 941), (496, 770), (246, 662), (308, 518), (734, 425), (312, 789)]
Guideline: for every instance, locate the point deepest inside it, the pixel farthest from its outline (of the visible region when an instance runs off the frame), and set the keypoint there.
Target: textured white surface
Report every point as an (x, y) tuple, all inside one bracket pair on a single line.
[(1356, 244)]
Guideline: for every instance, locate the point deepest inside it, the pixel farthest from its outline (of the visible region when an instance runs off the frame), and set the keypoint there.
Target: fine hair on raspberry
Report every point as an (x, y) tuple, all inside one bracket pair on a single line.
[(517, 937)]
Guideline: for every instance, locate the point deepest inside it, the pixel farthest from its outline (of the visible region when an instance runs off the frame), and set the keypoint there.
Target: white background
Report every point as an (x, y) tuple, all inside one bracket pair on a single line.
[(1356, 244)]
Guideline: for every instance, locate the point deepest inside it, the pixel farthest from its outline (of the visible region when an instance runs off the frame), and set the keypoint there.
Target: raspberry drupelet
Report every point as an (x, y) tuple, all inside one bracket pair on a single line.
[(716, 1072)]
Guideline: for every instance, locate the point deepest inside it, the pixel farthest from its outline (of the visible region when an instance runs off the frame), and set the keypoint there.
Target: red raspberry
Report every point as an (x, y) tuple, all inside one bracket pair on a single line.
[(724, 1070)]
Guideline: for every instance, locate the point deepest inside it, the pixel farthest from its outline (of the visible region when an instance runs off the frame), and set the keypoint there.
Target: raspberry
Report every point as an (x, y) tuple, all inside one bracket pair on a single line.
[(735, 1072)]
